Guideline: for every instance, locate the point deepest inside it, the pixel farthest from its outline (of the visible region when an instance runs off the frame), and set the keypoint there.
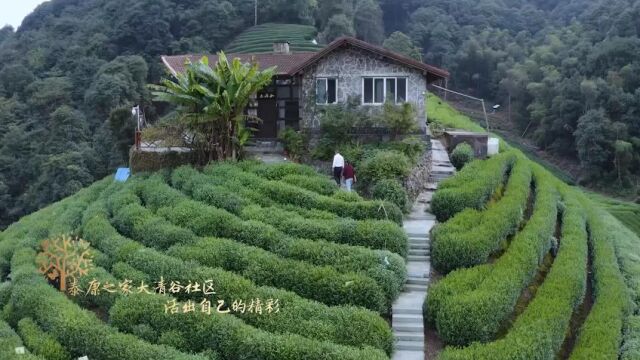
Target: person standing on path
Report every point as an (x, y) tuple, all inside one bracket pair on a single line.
[(349, 176), (338, 166)]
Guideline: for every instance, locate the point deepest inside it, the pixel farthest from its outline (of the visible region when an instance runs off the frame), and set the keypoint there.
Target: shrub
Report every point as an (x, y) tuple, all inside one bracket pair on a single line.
[(226, 334), (462, 315), (337, 322), (471, 236), (400, 119), (413, 147), (295, 143), (392, 191), (348, 196), (472, 187), (9, 340), (281, 170), (41, 343), (320, 185), (388, 164), (538, 333), (461, 155)]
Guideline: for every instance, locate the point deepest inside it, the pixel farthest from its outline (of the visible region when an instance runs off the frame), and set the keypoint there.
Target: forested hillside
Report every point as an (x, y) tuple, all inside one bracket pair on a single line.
[(71, 72)]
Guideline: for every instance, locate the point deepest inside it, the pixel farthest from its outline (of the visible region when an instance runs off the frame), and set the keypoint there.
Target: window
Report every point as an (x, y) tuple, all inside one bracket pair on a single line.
[(326, 91), (377, 90)]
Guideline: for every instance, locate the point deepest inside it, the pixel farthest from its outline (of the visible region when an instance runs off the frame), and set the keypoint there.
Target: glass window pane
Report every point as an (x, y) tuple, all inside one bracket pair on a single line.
[(284, 92), (379, 91), (321, 91), (391, 90), (402, 90), (331, 91), (368, 90)]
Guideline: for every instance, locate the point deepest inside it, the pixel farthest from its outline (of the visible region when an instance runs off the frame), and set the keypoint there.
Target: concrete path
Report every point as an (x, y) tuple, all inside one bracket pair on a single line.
[(408, 322)]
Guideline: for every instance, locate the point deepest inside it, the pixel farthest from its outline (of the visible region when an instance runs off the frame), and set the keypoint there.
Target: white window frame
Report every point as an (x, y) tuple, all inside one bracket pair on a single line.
[(326, 84), (384, 89)]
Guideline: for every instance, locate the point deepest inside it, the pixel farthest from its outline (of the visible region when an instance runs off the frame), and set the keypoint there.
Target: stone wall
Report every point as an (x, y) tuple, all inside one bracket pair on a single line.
[(349, 66), (417, 180)]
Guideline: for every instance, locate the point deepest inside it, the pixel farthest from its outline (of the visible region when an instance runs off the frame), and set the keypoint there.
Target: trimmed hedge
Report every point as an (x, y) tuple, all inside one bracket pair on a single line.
[(472, 187), (471, 236), (78, 330), (601, 333), (9, 341), (461, 155), (384, 164), (284, 193), (40, 342), (539, 332), (279, 171), (226, 334), (463, 315), (324, 323), (320, 185)]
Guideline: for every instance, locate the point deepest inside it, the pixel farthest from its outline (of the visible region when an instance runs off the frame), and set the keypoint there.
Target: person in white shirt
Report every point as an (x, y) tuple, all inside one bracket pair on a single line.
[(338, 166)]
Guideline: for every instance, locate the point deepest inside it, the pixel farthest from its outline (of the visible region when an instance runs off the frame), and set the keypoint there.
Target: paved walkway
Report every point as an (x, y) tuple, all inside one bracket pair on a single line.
[(408, 323)]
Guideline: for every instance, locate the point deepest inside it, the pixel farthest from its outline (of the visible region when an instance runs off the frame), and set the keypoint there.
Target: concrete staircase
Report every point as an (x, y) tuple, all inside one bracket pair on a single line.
[(407, 319)]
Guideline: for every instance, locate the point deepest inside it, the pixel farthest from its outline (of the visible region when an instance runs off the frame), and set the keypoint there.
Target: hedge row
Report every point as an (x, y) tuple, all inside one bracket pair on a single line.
[(324, 284), (472, 187), (345, 325), (226, 334), (40, 342), (376, 234), (464, 315), (320, 185), (9, 341), (386, 268), (284, 193), (78, 330), (470, 237), (539, 332), (601, 333), (280, 171)]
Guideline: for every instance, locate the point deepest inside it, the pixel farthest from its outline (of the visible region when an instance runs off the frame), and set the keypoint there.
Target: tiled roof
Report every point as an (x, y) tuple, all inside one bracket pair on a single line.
[(283, 62), (296, 62)]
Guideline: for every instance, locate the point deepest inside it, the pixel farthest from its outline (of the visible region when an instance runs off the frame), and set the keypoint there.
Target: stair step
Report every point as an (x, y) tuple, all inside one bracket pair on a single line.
[(410, 345), (423, 246), (399, 310), (410, 327), (409, 336), (412, 287), (407, 318), (417, 281), (418, 258), (418, 252)]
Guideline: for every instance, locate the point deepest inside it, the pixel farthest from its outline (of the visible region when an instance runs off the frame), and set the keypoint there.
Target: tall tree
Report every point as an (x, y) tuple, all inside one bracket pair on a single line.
[(368, 23), (402, 44)]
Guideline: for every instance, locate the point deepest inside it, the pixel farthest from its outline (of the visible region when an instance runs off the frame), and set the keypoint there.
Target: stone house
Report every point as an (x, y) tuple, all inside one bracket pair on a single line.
[(348, 69)]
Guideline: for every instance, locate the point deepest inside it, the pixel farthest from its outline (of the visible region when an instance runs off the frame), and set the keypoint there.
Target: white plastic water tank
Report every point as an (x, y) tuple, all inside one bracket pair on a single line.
[(493, 146)]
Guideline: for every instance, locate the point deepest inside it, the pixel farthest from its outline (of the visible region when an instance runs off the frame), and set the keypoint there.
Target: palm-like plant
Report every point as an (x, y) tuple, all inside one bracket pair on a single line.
[(211, 102)]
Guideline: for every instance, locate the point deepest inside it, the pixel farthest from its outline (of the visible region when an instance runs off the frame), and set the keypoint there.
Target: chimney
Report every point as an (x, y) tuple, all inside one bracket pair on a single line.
[(281, 47)]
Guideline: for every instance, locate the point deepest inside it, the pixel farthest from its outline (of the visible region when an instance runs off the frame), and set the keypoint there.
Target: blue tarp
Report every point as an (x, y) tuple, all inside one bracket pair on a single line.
[(122, 174)]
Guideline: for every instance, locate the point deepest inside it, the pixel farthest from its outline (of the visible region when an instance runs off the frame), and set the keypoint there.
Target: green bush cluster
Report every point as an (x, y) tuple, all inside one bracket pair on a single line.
[(78, 330), (472, 304), (204, 220), (539, 332), (601, 333), (384, 164), (461, 155), (281, 170), (392, 191), (284, 193), (471, 236), (472, 187), (226, 334), (9, 340), (324, 323), (294, 142), (320, 185), (40, 342)]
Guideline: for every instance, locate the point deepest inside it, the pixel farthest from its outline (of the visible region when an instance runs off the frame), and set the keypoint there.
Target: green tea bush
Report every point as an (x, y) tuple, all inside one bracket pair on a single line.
[(348, 196), (471, 236), (227, 334), (601, 333), (392, 191), (476, 313), (323, 284), (472, 187), (337, 323), (320, 185), (539, 332), (41, 343), (9, 340), (295, 143), (461, 155), (281, 170)]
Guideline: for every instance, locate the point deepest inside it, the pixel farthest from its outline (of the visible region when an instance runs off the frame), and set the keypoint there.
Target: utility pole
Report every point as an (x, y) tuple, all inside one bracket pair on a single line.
[(256, 12)]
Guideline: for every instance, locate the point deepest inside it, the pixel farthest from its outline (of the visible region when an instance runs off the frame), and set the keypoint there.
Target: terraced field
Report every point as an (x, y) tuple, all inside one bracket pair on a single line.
[(325, 264), (260, 39)]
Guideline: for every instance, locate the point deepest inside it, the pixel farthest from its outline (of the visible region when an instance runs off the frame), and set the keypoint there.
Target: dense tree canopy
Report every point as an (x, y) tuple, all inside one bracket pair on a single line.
[(71, 71)]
